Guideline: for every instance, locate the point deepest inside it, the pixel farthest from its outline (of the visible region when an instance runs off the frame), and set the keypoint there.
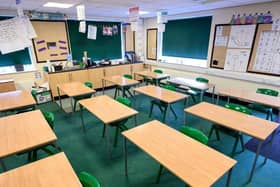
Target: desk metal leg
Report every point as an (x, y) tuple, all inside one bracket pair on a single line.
[(135, 120), (125, 155), (255, 161), (213, 94), (59, 97), (167, 112), (123, 94), (201, 95), (107, 132), (185, 118), (3, 165), (229, 177), (82, 117), (218, 98), (270, 145), (103, 86)]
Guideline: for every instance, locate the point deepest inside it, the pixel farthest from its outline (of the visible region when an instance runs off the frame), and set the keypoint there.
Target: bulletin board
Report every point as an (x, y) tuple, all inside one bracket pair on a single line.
[(232, 46), (152, 44), (129, 39), (52, 41), (265, 57)]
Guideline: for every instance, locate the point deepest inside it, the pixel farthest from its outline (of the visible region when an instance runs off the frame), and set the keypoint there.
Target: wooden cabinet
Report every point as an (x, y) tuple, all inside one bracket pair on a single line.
[(80, 75), (95, 76), (7, 85), (118, 70), (58, 78)]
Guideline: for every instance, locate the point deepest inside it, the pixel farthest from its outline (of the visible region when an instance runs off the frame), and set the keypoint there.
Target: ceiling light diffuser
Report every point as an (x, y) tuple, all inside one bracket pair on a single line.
[(58, 5)]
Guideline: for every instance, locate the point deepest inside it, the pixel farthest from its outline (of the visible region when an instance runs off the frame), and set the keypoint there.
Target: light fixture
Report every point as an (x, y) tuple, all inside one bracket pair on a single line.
[(58, 5)]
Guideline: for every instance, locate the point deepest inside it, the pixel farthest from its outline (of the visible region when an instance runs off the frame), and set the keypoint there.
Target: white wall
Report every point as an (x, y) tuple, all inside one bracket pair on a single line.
[(223, 79)]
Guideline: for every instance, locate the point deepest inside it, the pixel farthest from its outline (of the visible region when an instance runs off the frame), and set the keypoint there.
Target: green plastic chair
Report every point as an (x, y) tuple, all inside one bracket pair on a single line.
[(195, 92), (263, 108), (192, 133), (49, 116), (163, 105), (126, 89), (158, 71), (86, 96), (88, 180), (120, 125), (237, 135)]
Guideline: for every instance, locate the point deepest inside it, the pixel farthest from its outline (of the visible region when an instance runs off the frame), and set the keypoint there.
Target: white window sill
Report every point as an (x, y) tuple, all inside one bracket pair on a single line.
[(11, 69)]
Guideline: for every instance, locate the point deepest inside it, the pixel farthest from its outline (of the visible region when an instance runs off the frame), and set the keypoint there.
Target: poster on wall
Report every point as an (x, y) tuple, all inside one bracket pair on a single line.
[(51, 42), (241, 36)]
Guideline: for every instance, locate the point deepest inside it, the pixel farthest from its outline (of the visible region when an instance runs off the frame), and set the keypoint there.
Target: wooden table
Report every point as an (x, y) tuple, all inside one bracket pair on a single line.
[(161, 94), (7, 85), (119, 81), (250, 96), (155, 76), (16, 99), (107, 110), (247, 124), (53, 171), (193, 162), (191, 83), (24, 131), (73, 89)]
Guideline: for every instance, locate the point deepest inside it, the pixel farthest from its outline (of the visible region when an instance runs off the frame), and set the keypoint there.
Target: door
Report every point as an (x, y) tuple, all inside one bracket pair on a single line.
[(152, 44)]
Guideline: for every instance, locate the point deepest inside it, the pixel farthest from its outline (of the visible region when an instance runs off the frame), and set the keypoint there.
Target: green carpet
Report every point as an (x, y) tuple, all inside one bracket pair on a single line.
[(89, 151)]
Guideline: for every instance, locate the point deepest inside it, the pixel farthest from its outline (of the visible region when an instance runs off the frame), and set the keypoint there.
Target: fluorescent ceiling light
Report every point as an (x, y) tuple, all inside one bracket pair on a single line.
[(58, 5)]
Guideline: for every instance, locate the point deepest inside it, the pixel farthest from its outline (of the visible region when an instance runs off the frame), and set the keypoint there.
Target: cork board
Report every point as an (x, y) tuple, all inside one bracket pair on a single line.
[(129, 39), (219, 52), (266, 50), (152, 44), (52, 41)]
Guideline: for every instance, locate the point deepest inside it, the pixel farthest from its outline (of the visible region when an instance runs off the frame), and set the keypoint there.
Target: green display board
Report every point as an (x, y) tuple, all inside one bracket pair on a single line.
[(18, 57), (102, 47), (188, 38)]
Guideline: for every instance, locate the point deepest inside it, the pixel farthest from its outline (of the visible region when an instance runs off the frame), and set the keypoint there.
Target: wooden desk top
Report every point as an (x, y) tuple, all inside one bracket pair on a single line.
[(248, 124), (75, 89), (107, 109), (194, 163), (159, 93), (252, 97), (53, 171), (24, 131), (190, 83), (15, 99), (121, 81), (152, 75)]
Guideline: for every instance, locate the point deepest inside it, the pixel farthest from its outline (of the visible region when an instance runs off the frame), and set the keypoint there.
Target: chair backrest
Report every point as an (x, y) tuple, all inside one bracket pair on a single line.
[(88, 180), (158, 71), (238, 108), (169, 87), (88, 84), (49, 116), (201, 79), (128, 76), (194, 134), (267, 91), (124, 101)]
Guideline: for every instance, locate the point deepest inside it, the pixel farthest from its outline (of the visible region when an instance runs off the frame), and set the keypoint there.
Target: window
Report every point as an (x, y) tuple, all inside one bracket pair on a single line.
[(186, 41)]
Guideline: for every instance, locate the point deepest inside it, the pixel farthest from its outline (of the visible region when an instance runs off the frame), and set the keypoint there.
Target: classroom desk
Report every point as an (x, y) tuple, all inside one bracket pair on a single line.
[(193, 162), (191, 83), (107, 110), (16, 99), (251, 96), (73, 89), (119, 81), (161, 94), (155, 76), (247, 124), (53, 171), (24, 131)]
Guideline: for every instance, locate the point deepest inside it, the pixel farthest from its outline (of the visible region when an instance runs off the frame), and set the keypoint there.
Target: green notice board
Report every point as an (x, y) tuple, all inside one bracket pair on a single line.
[(102, 47), (18, 57)]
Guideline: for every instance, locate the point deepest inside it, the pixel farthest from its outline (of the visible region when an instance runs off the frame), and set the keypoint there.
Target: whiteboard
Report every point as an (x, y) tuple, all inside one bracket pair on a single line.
[(237, 60), (241, 36)]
